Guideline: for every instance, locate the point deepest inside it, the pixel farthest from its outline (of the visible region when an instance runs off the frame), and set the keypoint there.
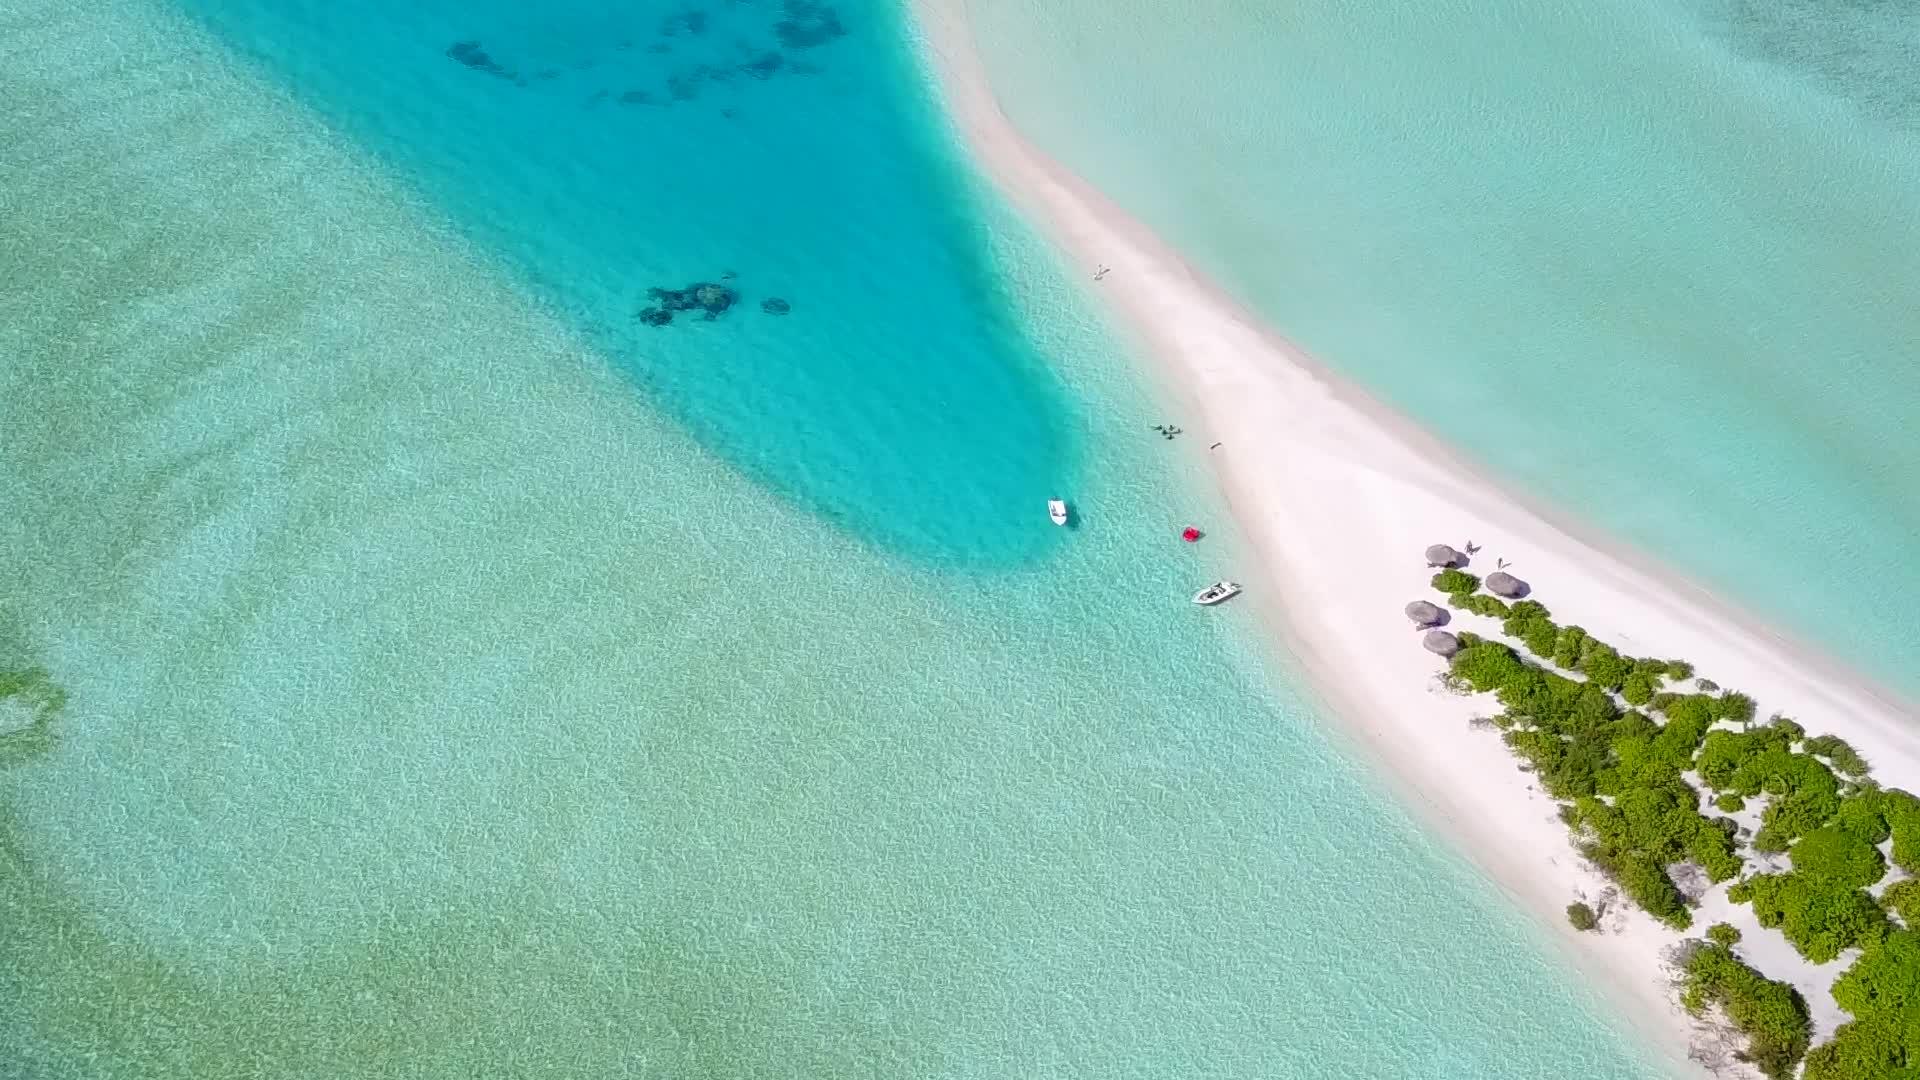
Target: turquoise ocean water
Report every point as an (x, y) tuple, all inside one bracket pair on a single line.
[(467, 679), (1652, 260)]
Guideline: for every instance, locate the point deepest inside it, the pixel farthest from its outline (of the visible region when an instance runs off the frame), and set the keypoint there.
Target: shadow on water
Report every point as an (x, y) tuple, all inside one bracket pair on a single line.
[(868, 368)]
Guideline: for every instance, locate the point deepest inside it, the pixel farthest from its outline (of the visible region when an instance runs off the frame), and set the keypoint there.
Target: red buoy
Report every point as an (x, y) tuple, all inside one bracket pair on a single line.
[(1190, 534)]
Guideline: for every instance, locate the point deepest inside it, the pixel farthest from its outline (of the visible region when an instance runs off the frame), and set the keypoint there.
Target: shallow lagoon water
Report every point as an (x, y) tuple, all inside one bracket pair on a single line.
[(603, 150), (1651, 261), (452, 695)]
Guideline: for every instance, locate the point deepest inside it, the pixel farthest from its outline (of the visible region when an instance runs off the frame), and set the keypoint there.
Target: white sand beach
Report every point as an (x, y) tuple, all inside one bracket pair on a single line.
[(1340, 496)]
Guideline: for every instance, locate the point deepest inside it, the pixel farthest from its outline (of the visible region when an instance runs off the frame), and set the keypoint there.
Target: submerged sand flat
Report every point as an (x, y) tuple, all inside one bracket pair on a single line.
[(410, 735)]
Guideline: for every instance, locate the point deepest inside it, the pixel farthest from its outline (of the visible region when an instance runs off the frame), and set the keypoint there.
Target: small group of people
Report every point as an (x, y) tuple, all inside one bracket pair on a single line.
[(1474, 549), (1168, 431)]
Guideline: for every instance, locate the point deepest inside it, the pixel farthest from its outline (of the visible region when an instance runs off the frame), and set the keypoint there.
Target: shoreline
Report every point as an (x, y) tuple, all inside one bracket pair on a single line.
[(1332, 578)]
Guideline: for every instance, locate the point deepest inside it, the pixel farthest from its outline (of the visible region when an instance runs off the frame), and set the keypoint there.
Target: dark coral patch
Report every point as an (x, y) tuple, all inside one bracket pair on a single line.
[(808, 24), (765, 66), (684, 22), (709, 297), (472, 55)]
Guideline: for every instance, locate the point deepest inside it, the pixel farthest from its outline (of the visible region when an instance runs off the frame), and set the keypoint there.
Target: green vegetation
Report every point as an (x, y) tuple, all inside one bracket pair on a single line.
[(1480, 604), (1761, 761), (1619, 750), (1567, 643), (1903, 818), (1529, 621), (1842, 756), (1834, 855), (1644, 831), (1771, 1014), (1603, 666), (1638, 689), (1864, 815), (1903, 899), (1819, 917), (1822, 907), (1633, 813), (1882, 991), (1737, 707), (1582, 916), (1455, 582)]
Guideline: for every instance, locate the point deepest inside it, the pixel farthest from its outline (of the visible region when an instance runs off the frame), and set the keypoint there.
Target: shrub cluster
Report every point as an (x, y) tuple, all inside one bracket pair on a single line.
[(1581, 916), (1820, 918), (1903, 899), (1864, 814), (1833, 854), (1902, 812), (1842, 756), (1822, 906), (1882, 991), (1638, 688), (1455, 583), (1621, 774), (1479, 604), (1644, 831), (1761, 761), (1772, 1014), (1529, 621)]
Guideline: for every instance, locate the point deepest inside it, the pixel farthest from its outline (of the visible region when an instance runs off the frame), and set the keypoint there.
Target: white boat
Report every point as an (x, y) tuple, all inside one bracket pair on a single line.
[(1057, 510), (1216, 592)]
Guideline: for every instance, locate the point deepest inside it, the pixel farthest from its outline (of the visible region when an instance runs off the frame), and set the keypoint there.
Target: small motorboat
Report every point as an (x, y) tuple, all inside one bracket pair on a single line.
[(1217, 592), (1057, 510)]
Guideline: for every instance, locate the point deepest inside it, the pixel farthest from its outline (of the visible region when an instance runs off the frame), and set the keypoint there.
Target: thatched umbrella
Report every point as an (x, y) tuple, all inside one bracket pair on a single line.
[(1441, 643), (1504, 584), (1425, 614), (1442, 555)]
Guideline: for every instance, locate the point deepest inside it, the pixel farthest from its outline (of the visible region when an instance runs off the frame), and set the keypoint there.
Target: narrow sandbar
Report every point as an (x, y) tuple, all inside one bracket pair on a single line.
[(1339, 496)]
